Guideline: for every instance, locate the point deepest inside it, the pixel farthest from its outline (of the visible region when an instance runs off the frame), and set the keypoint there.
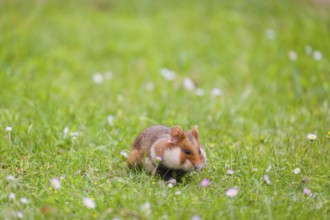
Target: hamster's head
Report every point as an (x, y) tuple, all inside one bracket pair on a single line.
[(186, 152)]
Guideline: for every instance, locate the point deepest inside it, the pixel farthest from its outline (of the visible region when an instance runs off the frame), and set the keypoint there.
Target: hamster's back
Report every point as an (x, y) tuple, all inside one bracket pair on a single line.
[(143, 142)]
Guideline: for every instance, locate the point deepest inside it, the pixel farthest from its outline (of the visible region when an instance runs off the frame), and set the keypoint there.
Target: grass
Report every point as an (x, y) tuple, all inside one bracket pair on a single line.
[(50, 51)]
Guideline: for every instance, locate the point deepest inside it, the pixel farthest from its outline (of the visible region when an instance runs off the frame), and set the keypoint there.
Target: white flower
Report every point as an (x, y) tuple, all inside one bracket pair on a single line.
[(178, 193), (146, 208), (311, 137), (308, 50), (269, 168), (98, 78), (149, 86), (55, 183), (292, 55), (199, 92), (10, 178), (270, 34), (11, 196), (20, 215), (216, 92), (24, 200), (230, 172), (124, 154), (111, 119), (74, 134), (232, 192), (296, 171), (267, 180), (89, 203), (170, 185), (317, 55), (65, 132), (188, 84), (167, 74), (9, 129)]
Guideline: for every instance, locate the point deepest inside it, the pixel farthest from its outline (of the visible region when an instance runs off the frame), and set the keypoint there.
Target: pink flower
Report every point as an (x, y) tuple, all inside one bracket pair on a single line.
[(196, 217), (159, 158), (307, 192), (232, 192), (205, 183), (230, 172)]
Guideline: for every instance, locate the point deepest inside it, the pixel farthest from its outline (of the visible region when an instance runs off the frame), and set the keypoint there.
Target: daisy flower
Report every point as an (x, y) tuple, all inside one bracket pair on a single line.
[(89, 203), (188, 84), (307, 192), (267, 180), (10, 178), (20, 215), (11, 196), (216, 92), (292, 55), (232, 192), (205, 183), (98, 78), (230, 172), (296, 170), (311, 137), (167, 74), (111, 119), (196, 217), (65, 132), (199, 92), (124, 154), (55, 183), (317, 55), (146, 208), (149, 86), (24, 200)]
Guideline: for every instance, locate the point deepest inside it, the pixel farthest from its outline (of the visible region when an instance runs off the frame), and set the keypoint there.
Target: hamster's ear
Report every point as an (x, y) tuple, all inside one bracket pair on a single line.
[(177, 134), (195, 132)]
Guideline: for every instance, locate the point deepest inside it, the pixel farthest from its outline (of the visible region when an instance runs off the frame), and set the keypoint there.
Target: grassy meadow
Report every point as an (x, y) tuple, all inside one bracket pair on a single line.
[(80, 79)]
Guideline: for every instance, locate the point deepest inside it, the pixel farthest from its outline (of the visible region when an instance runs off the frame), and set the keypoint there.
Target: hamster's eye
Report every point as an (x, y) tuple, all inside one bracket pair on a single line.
[(188, 152)]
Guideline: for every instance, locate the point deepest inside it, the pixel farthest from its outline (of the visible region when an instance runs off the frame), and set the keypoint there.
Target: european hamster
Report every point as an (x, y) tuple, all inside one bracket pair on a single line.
[(168, 152)]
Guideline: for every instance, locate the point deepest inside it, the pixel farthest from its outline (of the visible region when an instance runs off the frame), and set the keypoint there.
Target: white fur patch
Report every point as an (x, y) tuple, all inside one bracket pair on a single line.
[(171, 158), (187, 166), (203, 155), (153, 153), (149, 165)]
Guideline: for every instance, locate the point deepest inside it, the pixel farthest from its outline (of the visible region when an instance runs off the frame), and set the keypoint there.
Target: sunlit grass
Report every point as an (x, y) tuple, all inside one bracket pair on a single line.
[(79, 80)]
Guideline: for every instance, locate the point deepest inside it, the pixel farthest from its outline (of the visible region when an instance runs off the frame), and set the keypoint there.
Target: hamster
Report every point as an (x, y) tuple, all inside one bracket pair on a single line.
[(168, 152)]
